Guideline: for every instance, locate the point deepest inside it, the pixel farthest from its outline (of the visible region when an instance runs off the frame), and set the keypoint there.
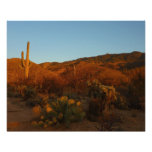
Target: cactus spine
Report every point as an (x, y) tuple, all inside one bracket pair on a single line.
[(26, 63)]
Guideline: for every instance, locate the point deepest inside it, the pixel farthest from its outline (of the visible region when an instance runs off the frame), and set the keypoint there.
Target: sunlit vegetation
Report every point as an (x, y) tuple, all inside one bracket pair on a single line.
[(84, 89), (60, 111)]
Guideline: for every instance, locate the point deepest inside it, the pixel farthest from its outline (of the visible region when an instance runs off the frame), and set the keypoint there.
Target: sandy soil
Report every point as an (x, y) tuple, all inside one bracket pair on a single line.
[(19, 118), (17, 113)]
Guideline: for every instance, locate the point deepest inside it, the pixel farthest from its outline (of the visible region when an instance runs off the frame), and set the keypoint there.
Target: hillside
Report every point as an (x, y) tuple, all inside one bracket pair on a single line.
[(107, 68), (116, 61), (102, 93), (15, 72)]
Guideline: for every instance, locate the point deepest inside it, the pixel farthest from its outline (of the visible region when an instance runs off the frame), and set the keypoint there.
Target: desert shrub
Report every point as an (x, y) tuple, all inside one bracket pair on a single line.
[(70, 93), (121, 102), (62, 110), (52, 85), (102, 97), (37, 110), (136, 97), (112, 77), (29, 92), (12, 91), (20, 89), (78, 75), (95, 108), (136, 88)]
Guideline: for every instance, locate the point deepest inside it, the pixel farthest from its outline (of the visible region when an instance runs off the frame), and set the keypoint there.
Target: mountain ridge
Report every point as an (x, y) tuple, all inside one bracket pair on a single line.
[(96, 66)]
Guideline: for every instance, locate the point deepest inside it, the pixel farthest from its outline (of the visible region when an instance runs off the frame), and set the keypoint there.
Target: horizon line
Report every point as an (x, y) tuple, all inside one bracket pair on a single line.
[(80, 57)]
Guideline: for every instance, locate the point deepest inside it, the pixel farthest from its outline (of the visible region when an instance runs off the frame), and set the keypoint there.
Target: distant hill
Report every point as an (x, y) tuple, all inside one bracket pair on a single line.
[(116, 61), (15, 72), (109, 67)]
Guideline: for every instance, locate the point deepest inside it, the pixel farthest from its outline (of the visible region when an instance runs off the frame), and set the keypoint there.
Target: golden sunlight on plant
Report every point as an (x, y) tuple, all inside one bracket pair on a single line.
[(37, 110), (79, 93), (78, 103), (48, 108), (61, 110), (71, 101)]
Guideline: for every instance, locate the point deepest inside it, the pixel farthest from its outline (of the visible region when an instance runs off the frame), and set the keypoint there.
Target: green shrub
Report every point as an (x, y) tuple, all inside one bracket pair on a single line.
[(63, 110)]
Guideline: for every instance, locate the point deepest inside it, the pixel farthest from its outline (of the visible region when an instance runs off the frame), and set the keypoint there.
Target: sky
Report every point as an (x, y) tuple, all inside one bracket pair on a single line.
[(59, 41)]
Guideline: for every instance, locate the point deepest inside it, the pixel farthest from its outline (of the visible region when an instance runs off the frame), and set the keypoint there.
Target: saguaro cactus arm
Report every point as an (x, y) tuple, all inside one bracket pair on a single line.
[(22, 59), (26, 63), (74, 70)]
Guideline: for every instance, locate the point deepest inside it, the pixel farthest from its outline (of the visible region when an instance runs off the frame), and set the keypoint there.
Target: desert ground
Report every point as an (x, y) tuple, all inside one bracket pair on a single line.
[(20, 117)]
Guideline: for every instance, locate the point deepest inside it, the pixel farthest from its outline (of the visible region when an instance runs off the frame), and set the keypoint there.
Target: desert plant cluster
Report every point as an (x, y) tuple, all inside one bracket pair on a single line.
[(60, 111), (90, 88)]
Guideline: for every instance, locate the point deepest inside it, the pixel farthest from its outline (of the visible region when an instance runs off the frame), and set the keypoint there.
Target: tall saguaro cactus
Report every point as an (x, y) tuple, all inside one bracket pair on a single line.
[(26, 63)]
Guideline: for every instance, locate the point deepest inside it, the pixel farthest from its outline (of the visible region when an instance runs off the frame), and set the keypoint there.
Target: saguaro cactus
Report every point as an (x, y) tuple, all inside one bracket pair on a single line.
[(74, 70), (26, 63)]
